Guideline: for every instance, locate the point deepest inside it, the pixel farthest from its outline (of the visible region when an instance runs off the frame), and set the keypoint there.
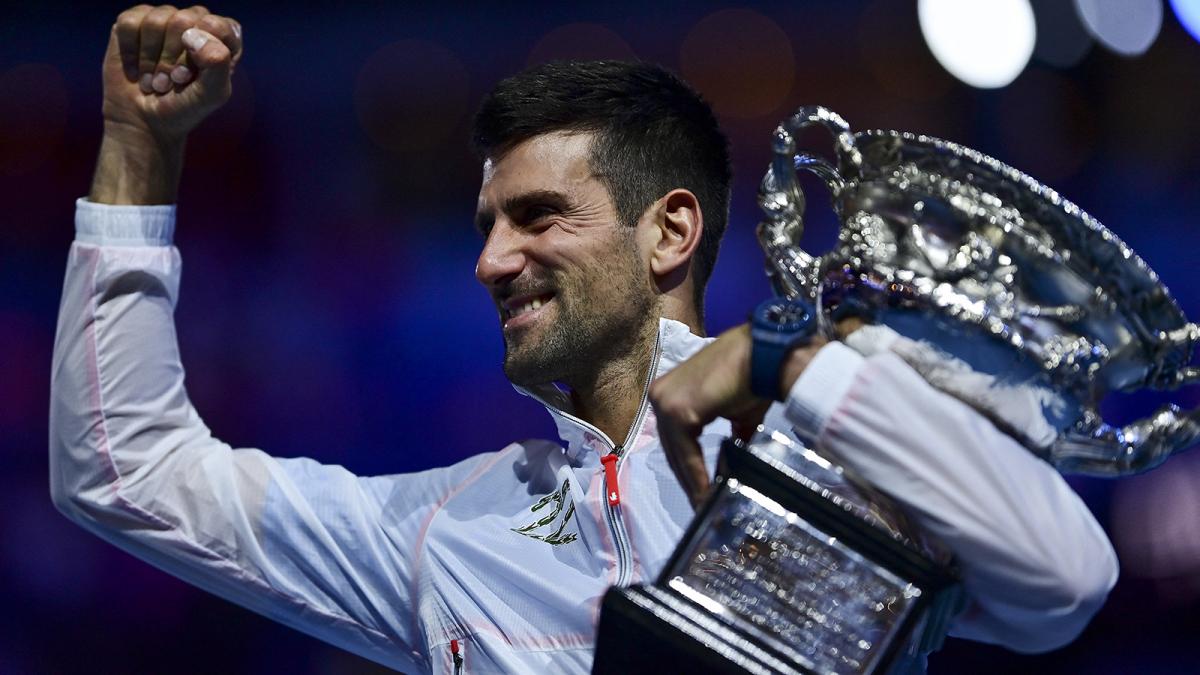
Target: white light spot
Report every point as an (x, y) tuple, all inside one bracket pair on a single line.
[(985, 43), (1188, 12), (1126, 27)]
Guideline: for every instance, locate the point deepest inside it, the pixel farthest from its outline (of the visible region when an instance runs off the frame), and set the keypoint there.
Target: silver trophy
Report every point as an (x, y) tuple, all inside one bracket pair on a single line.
[(1012, 299)]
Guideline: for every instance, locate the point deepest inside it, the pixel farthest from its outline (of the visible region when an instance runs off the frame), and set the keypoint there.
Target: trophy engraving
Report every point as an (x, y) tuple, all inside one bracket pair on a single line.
[(1012, 299)]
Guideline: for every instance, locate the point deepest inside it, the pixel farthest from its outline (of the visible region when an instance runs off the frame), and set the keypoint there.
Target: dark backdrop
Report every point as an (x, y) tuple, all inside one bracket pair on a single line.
[(329, 308)]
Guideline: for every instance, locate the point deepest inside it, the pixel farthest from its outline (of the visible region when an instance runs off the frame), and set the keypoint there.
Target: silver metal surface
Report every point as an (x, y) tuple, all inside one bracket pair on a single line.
[(779, 580), (948, 245)]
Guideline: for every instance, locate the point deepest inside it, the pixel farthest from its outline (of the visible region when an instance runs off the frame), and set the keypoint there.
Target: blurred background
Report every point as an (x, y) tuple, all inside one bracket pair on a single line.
[(329, 307)]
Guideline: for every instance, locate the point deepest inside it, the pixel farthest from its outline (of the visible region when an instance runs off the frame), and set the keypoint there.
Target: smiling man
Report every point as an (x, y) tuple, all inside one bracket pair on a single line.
[(604, 195)]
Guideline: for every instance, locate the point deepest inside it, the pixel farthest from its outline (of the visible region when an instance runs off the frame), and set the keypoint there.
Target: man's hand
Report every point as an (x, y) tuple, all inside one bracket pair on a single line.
[(165, 70), (715, 382)]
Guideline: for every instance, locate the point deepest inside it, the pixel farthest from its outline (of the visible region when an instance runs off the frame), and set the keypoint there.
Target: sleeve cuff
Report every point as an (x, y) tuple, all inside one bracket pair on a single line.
[(109, 225), (821, 388)]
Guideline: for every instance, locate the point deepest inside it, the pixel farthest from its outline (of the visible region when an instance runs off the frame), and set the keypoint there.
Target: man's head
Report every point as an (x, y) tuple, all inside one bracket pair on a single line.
[(605, 191)]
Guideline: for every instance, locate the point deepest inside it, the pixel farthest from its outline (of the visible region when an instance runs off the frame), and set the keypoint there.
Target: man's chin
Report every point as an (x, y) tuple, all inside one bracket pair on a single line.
[(526, 373), (529, 361)]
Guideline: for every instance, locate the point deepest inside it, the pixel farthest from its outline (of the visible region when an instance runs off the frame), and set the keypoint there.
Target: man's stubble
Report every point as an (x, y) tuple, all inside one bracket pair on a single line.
[(602, 315)]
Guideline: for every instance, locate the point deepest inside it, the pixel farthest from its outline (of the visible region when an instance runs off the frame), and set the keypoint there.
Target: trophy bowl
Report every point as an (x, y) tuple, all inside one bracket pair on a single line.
[(1000, 276)]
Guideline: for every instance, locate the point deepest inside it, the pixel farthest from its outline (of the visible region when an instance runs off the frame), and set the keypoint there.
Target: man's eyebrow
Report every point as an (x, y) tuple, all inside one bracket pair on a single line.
[(520, 202)]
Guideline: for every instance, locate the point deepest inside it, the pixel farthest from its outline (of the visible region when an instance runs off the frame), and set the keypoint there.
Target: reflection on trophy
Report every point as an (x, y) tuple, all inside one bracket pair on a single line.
[(1013, 299)]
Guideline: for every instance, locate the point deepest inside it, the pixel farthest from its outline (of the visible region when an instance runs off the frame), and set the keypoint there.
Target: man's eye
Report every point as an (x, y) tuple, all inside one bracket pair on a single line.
[(539, 212)]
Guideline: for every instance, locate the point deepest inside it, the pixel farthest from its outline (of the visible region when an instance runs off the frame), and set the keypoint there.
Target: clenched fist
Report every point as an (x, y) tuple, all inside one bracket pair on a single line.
[(165, 70)]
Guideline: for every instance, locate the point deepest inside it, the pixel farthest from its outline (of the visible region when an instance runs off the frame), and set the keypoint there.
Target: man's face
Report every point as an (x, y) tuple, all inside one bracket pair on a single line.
[(570, 284)]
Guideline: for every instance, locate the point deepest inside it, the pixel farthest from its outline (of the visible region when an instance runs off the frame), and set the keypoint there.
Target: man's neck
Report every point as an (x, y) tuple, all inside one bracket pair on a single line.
[(612, 398)]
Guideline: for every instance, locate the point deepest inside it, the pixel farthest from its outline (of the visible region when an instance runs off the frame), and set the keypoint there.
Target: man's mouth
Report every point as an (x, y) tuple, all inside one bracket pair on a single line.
[(523, 306)]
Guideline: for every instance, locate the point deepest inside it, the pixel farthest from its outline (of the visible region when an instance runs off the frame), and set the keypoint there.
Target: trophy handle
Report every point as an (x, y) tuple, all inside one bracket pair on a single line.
[(1094, 447), (792, 270)]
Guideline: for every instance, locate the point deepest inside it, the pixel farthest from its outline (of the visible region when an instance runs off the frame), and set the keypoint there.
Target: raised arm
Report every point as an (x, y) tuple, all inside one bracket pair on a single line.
[(310, 545)]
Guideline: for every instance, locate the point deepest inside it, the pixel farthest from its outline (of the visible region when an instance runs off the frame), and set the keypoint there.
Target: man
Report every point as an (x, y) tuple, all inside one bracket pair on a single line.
[(605, 190)]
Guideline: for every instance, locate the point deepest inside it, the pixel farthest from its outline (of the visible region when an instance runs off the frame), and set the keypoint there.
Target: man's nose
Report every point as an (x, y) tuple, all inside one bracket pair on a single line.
[(502, 258)]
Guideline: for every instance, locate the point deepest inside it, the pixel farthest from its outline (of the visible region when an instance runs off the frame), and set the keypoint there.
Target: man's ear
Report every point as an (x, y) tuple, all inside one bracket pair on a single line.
[(680, 224)]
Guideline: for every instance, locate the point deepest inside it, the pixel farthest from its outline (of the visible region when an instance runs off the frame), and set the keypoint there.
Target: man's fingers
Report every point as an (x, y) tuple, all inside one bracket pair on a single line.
[(227, 30), (127, 29), (150, 43), (679, 426), (213, 59), (686, 460), (170, 60)]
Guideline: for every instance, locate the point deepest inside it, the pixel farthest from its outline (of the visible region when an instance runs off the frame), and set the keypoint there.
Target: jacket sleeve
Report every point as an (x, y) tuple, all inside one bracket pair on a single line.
[(312, 546), (1037, 566)]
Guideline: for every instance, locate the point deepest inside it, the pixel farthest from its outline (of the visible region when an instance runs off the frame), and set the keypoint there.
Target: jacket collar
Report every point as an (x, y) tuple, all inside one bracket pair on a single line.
[(676, 343)]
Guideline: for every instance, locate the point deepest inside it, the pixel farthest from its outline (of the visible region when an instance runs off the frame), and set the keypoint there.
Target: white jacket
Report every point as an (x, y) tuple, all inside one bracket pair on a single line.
[(507, 553)]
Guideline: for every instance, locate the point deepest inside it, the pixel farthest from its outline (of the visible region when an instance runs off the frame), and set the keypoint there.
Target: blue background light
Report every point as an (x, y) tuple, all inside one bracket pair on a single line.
[(1188, 13)]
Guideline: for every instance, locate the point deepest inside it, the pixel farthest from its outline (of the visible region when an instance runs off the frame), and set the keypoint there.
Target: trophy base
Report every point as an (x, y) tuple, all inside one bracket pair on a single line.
[(790, 566), (644, 629)]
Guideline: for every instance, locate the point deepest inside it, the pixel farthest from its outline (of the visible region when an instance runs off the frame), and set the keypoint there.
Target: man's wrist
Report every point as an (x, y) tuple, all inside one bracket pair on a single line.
[(136, 167), (799, 358), (795, 363)]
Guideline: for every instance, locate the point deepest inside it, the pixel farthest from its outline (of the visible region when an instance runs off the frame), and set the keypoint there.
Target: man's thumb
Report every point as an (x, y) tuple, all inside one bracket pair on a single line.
[(213, 59)]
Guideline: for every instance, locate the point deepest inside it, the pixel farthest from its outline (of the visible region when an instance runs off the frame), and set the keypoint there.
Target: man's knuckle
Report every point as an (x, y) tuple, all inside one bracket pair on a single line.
[(214, 24), (129, 16), (181, 21), (127, 23), (155, 21), (672, 407)]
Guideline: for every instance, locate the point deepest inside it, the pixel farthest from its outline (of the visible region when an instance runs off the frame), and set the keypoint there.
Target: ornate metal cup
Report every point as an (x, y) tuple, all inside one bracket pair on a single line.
[(1014, 300), (1000, 272)]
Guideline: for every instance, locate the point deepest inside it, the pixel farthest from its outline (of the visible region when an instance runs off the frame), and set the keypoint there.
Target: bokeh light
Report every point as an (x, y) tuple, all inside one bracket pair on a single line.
[(902, 67), (1062, 40), (741, 61), (1127, 27), (985, 43), (1188, 13), (33, 112), (410, 95), (1156, 528), (582, 42)]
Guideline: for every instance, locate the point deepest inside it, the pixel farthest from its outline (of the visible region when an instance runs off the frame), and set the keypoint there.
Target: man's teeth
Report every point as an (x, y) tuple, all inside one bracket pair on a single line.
[(527, 307)]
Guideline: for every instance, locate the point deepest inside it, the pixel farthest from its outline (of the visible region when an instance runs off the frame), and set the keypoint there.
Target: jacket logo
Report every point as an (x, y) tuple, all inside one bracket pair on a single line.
[(551, 534)]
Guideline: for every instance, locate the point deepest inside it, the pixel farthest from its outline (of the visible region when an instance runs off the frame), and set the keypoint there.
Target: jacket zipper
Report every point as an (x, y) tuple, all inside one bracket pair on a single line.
[(612, 493), (456, 657)]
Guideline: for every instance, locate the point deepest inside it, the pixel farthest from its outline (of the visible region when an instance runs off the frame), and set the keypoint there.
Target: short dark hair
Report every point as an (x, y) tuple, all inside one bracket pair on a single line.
[(653, 133)]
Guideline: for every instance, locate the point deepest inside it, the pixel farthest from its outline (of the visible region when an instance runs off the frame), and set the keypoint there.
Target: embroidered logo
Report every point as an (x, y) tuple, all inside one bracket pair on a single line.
[(552, 534)]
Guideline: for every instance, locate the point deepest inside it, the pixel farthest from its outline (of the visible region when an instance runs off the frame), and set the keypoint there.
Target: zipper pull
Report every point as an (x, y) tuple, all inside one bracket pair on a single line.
[(456, 656), (610, 478)]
